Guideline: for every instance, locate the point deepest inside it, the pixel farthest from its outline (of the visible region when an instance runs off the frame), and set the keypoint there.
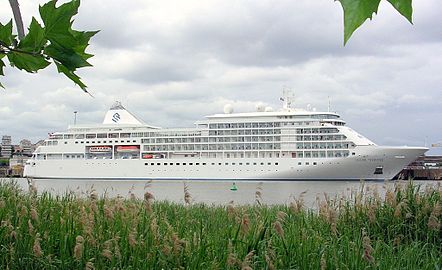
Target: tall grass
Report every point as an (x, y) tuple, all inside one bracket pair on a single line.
[(364, 231)]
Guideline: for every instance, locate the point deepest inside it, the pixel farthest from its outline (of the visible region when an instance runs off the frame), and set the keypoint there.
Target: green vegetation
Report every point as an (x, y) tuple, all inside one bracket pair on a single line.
[(364, 231), (55, 40), (4, 162), (356, 12)]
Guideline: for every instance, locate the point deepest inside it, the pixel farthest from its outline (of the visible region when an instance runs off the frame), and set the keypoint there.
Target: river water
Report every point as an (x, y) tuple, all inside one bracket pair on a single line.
[(215, 192)]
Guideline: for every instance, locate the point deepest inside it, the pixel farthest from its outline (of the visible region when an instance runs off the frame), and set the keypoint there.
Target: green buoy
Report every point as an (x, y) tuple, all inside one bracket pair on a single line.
[(234, 188)]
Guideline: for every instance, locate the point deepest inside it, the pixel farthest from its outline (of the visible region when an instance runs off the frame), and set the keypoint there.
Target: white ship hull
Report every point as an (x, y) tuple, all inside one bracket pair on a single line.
[(362, 165)]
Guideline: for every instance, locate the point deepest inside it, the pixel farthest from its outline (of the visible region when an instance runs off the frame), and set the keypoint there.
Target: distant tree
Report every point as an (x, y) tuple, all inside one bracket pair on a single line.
[(356, 12), (4, 162), (55, 41)]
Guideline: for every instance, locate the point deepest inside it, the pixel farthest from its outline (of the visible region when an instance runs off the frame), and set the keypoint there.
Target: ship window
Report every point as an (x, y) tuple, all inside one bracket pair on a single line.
[(307, 163), (81, 142), (219, 163), (76, 142), (152, 164), (247, 163), (165, 163), (146, 164), (379, 170), (353, 153), (254, 163), (178, 163), (276, 163), (314, 163), (299, 163), (269, 163), (262, 163), (227, 163), (65, 142), (213, 163), (158, 163), (184, 163), (197, 164), (240, 163), (233, 163)]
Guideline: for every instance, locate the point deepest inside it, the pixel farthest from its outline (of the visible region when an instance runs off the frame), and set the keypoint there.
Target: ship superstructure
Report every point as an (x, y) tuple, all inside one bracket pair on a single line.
[(289, 144)]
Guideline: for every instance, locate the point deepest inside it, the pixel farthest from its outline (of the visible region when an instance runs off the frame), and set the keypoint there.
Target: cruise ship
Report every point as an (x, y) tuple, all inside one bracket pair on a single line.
[(287, 144)]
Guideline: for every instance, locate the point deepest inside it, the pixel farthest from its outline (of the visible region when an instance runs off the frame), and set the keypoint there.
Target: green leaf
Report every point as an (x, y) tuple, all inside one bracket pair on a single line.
[(83, 41), (67, 46), (28, 62), (58, 22), (2, 65), (35, 39), (404, 7), (71, 75), (6, 36), (356, 12), (66, 56)]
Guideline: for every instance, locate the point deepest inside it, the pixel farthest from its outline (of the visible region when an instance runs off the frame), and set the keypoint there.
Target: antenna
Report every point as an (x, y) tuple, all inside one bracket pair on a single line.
[(329, 104), (75, 117)]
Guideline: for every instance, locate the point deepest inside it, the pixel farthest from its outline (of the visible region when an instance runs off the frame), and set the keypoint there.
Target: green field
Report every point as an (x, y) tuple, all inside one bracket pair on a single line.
[(363, 231)]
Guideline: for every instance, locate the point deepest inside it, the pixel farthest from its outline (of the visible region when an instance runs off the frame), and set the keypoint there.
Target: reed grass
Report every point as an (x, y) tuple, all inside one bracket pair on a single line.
[(401, 230)]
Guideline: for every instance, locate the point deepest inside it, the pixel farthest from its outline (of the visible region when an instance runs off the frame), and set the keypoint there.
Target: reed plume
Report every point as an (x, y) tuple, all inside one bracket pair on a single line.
[(78, 249), (258, 194), (278, 228), (90, 265), (245, 265), (245, 223), (323, 262), (36, 248), (368, 249), (187, 197)]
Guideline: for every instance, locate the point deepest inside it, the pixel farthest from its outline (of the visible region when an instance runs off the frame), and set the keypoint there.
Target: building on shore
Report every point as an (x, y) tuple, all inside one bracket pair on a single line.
[(13, 157), (26, 147), (6, 147), (424, 168)]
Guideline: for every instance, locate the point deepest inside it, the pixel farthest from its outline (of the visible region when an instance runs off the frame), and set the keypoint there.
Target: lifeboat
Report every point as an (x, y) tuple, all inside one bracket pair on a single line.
[(128, 148), (147, 156), (94, 149)]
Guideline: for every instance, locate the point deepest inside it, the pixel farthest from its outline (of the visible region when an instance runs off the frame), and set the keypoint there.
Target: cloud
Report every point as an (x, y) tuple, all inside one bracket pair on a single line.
[(173, 62)]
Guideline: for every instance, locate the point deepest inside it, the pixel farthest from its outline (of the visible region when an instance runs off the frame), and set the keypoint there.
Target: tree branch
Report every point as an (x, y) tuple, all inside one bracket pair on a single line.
[(17, 17)]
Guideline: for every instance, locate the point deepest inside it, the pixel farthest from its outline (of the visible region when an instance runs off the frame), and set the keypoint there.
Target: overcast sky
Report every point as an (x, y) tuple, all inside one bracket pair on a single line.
[(173, 62)]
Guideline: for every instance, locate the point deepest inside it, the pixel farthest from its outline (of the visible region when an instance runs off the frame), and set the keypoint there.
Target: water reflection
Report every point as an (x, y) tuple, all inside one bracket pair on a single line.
[(215, 192)]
